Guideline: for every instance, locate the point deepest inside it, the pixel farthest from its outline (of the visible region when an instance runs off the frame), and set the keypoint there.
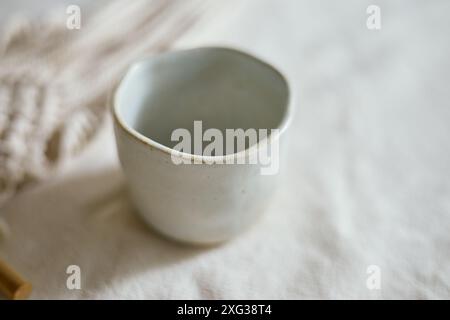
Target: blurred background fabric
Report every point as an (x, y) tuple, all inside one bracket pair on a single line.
[(367, 176)]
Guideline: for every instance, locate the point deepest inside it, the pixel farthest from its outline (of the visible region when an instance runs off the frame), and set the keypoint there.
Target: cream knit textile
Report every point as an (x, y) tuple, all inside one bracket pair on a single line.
[(54, 82)]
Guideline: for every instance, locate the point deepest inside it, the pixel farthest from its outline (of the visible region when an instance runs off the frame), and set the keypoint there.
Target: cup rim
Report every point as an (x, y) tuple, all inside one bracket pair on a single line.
[(284, 124)]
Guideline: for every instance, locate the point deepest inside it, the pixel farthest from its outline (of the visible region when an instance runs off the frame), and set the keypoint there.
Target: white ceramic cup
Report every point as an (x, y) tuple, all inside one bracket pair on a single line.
[(225, 89)]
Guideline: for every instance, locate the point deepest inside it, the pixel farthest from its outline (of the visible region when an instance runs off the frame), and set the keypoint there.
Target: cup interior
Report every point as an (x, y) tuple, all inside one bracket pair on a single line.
[(223, 88)]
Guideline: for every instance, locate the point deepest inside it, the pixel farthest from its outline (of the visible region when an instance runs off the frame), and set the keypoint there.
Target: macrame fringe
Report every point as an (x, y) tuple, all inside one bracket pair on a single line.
[(54, 82)]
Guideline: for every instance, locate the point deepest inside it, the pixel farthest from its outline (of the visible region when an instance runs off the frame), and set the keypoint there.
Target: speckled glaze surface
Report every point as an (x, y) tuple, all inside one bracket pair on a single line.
[(225, 88)]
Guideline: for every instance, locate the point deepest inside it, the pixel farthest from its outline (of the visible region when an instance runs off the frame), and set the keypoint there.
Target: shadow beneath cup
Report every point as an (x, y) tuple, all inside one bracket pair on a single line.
[(85, 221)]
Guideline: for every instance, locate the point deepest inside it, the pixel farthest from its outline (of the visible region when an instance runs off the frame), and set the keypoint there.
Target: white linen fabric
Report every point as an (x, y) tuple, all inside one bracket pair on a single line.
[(366, 180)]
